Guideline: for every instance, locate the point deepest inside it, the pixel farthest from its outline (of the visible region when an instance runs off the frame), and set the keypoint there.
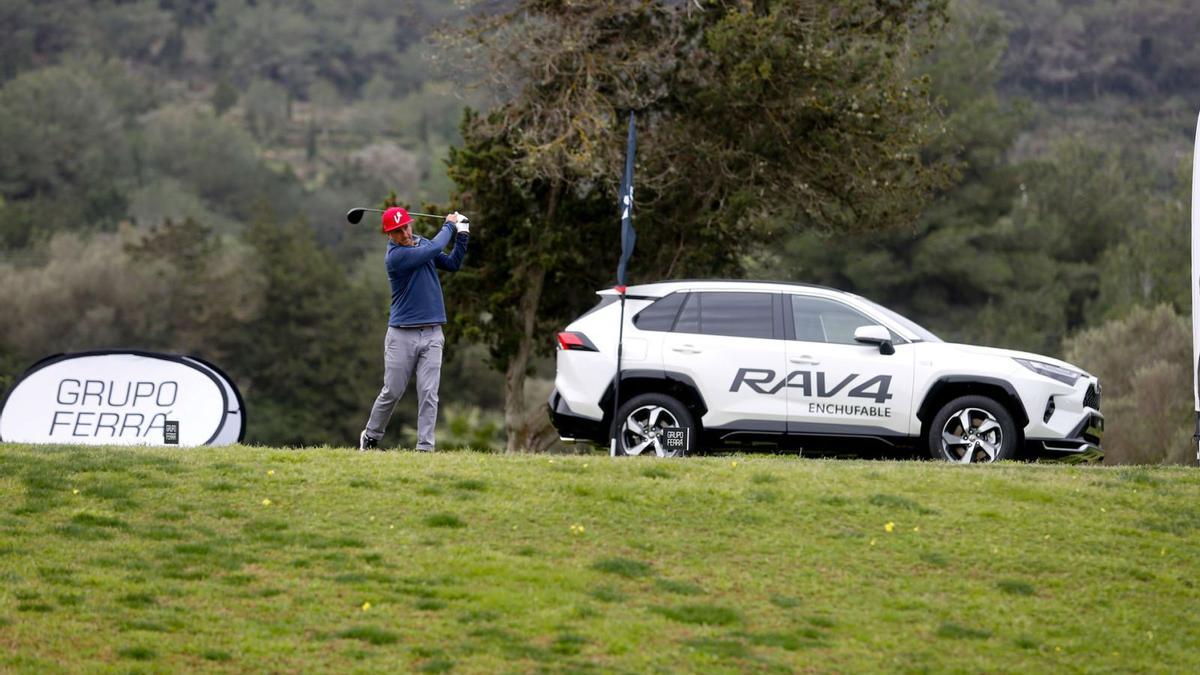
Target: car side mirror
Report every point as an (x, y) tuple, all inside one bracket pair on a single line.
[(875, 335)]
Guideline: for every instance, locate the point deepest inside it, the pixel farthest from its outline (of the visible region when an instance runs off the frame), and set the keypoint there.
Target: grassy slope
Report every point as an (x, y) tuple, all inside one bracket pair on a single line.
[(166, 560)]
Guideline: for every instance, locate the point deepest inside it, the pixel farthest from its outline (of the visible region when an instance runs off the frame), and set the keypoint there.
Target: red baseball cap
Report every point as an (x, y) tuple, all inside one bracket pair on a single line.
[(395, 218)]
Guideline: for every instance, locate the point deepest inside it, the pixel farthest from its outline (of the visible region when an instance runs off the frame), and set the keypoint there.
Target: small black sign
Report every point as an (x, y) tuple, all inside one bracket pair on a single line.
[(171, 432), (675, 439)]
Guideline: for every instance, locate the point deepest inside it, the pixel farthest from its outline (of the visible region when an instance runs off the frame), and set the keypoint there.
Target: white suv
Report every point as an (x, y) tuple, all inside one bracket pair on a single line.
[(746, 362)]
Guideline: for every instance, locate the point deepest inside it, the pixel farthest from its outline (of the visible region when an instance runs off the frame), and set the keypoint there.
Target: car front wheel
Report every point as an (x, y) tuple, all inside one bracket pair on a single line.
[(641, 422), (972, 429)]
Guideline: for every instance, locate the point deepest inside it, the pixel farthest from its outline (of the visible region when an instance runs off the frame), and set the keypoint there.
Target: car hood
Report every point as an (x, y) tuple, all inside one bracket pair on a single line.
[(976, 350)]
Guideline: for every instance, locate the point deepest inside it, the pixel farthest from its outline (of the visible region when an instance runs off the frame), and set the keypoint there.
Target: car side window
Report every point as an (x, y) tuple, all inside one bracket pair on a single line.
[(660, 315), (749, 315), (821, 320)]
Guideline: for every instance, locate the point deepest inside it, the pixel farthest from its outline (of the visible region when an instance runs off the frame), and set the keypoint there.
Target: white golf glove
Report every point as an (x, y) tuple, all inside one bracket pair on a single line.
[(462, 225)]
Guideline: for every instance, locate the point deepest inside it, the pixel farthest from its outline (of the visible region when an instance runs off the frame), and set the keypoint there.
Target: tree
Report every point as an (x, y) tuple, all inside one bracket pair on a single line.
[(266, 106), (224, 96), (738, 134), (386, 164)]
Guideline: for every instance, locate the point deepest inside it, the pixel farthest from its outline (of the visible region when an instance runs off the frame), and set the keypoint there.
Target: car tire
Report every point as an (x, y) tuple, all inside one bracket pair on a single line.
[(972, 429), (639, 422)]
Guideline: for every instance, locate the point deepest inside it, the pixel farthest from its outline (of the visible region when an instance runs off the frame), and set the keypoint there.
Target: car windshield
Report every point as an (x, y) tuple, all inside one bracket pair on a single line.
[(913, 327)]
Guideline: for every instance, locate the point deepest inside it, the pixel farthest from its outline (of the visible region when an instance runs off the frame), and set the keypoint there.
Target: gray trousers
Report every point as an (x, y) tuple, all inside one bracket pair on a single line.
[(405, 351)]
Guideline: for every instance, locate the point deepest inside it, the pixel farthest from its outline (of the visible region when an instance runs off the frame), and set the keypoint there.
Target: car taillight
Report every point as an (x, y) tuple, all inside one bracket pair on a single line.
[(575, 341)]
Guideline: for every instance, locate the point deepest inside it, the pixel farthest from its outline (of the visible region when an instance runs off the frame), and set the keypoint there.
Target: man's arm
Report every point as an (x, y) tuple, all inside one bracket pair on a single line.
[(401, 259), (453, 260)]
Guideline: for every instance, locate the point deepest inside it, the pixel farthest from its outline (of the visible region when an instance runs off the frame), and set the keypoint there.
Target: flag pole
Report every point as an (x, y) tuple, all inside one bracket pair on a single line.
[(628, 238), (612, 445), (1196, 286)]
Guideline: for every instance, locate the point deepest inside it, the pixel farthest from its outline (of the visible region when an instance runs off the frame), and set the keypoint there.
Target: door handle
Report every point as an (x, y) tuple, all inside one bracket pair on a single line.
[(804, 360), (685, 349)]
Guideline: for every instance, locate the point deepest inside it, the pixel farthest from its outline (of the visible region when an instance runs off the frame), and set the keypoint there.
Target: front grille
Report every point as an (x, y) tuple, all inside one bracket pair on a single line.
[(1092, 398)]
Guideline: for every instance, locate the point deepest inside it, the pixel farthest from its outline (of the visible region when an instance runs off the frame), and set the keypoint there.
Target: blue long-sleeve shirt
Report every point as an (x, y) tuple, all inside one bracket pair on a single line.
[(412, 270)]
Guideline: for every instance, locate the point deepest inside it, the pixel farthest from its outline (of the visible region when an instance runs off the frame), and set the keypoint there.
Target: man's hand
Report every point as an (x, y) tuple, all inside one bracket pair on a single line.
[(461, 223)]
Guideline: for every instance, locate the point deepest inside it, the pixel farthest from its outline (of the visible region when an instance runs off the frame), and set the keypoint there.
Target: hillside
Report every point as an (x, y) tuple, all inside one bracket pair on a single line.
[(251, 559)]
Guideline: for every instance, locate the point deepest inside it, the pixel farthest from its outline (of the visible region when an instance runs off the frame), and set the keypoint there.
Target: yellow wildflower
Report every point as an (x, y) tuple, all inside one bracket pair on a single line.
[(366, 606), (889, 526), (266, 502)]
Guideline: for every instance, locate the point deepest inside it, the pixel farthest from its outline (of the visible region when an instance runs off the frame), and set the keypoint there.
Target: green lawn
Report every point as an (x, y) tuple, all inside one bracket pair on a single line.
[(255, 559)]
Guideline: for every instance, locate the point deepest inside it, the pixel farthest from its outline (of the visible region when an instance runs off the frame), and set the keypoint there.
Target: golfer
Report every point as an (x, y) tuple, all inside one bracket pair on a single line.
[(414, 335)]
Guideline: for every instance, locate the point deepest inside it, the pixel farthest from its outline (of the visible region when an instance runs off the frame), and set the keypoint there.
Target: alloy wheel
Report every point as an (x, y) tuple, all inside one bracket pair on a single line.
[(643, 429), (972, 435)]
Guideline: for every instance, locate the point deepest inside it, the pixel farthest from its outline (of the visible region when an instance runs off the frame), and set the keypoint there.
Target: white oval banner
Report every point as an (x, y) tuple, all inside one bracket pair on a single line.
[(234, 428), (122, 398)]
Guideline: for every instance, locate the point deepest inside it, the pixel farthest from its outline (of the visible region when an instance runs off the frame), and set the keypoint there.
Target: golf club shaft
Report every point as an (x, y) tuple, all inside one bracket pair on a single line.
[(411, 213)]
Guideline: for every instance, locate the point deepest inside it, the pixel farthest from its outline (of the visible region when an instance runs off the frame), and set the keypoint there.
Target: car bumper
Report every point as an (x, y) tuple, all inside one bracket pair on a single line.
[(572, 426), (1084, 437)]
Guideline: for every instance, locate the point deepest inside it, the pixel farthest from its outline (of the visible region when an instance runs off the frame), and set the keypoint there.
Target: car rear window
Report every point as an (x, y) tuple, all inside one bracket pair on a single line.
[(605, 301), (661, 314), (733, 314)]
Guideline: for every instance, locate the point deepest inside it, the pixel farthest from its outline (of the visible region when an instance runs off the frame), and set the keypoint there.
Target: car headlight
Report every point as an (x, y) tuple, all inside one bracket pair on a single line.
[(1064, 375)]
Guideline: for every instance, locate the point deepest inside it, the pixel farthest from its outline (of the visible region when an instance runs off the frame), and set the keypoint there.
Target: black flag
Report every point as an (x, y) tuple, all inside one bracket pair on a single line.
[(628, 236)]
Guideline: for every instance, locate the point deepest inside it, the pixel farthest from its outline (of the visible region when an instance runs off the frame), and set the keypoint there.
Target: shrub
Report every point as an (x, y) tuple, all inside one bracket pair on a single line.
[(1144, 364)]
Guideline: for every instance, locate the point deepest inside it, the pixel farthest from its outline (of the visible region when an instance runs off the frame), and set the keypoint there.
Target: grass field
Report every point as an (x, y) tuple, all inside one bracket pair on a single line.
[(254, 559)]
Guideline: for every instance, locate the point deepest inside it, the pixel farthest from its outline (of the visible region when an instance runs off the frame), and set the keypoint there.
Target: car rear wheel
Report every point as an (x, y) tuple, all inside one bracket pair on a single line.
[(972, 429), (641, 422)]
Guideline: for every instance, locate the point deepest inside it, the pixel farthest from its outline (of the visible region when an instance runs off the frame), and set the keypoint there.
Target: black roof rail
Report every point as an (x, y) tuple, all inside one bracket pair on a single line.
[(741, 281)]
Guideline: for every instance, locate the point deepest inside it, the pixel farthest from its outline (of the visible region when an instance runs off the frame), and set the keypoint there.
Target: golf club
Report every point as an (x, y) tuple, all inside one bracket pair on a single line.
[(355, 215)]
